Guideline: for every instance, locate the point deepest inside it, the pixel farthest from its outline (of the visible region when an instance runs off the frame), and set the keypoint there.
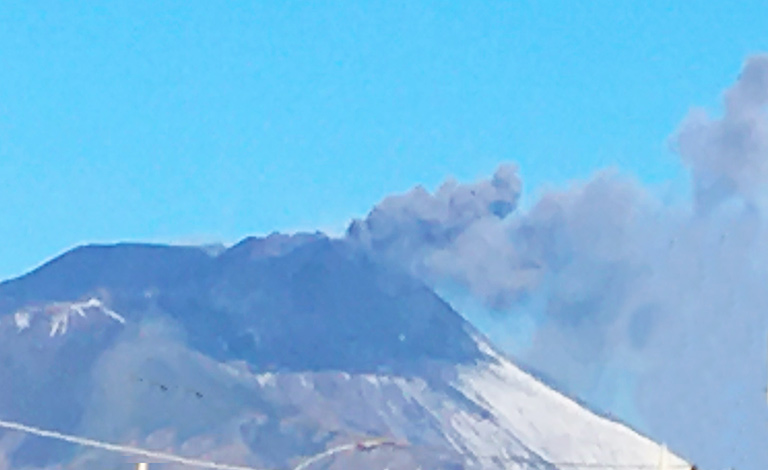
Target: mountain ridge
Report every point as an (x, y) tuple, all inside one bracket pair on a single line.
[(276, 348)]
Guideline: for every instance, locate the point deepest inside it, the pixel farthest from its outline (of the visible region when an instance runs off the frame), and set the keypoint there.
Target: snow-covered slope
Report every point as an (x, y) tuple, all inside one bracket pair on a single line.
[(490, 415), (557, 427), (272, 350)]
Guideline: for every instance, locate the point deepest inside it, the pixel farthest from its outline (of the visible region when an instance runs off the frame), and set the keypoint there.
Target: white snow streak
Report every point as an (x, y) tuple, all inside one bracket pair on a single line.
[(22, 319), (60, 314)]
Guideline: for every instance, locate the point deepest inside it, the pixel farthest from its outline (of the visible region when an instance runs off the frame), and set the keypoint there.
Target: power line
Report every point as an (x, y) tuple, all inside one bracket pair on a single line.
[(363, 446), (323, 455), (122, 449), (137, 451)]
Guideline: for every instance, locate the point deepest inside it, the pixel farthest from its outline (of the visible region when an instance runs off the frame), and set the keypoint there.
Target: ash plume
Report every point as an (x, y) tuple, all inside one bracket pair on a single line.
[(728, 156), (655, 312)]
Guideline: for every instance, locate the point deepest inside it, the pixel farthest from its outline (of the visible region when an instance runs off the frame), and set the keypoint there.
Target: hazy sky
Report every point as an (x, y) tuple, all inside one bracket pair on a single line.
[(194, 121)]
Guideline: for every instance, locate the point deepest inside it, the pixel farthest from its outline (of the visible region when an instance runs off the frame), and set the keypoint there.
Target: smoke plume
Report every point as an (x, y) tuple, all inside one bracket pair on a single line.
[(727, 156), (657, 313), (445, 233)]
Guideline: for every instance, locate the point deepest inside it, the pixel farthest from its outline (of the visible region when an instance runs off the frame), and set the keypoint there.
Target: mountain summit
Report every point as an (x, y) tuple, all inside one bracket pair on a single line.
[(272, 349)]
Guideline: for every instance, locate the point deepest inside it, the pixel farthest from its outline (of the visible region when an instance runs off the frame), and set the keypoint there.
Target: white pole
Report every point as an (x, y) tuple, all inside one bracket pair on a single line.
[(142, 466), (663, 462)]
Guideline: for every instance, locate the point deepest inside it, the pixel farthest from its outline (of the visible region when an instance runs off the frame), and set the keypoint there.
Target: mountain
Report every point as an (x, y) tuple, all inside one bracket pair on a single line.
[(273, 349)]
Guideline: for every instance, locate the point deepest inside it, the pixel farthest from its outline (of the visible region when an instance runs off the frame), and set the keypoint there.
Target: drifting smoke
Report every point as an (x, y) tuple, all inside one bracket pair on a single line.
[(657, 313), (727, 157)]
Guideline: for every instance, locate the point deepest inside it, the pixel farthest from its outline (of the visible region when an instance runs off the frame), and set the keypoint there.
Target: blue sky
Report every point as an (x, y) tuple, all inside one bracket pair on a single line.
[(194, 121)]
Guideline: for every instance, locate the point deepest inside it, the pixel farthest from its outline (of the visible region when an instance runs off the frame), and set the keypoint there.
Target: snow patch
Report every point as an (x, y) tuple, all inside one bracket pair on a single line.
[(305, 382), (60, 314), (267, 379), (22, 319)]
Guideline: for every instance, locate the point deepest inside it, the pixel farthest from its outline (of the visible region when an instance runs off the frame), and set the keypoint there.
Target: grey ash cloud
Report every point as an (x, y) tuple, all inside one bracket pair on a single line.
[(438, 235), (729, 156), (654, 311)]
